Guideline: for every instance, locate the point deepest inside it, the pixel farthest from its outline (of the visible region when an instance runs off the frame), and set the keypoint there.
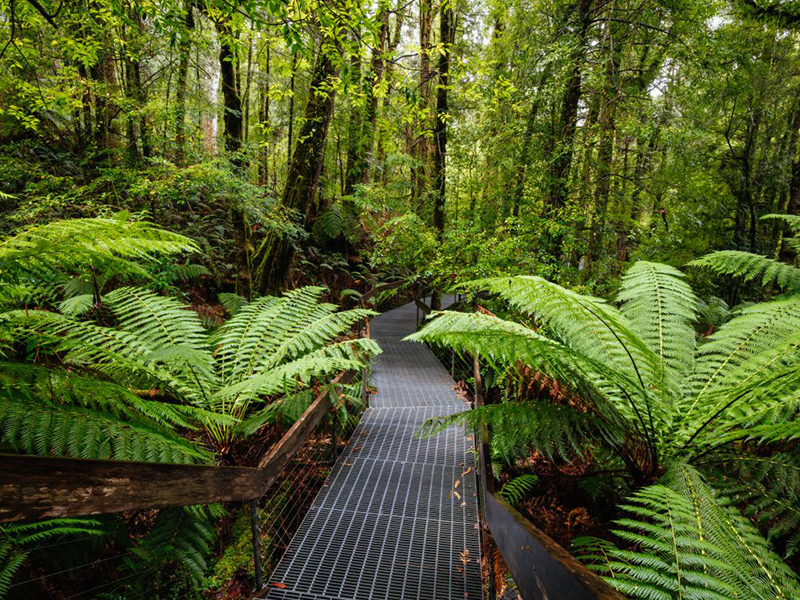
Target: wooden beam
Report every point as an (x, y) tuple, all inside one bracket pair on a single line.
[(36, 487), (39, 487), (281, 453)]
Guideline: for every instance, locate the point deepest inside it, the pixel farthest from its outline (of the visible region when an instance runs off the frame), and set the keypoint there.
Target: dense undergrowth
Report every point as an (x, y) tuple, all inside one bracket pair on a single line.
[(199, 200)]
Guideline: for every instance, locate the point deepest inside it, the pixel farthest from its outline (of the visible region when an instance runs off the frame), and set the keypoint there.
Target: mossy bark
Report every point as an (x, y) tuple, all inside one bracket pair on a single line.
[(274, 256)]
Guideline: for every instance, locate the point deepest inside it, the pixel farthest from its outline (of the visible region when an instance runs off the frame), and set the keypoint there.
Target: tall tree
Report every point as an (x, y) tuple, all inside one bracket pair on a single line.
[(185, 50), (274, 256), (232, 100)]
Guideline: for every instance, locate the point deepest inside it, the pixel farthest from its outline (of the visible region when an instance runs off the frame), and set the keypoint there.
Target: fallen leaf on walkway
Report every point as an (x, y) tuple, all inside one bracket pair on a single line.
[(457, 495), (467, 472), (357, 448), (470, 437), (465, 557), (279, 585), (456, 484), (463, 504)]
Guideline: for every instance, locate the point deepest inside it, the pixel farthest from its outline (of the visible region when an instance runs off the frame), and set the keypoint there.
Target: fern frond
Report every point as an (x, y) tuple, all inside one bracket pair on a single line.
[(792, 221), (62, 248), (660, 306), (157, 320), (189, 271), (689, 543), (18, 539), (756, 329), (586, 324), (519, 428), (182, 536), (751, 267), (59, 386), (330, 224), (232, 303), (290, 377), (77, 432), (765, 382), (119, 355), (513, 491), (271, 331), (759, 571), (77, 305), (769, 492), (505, 344)]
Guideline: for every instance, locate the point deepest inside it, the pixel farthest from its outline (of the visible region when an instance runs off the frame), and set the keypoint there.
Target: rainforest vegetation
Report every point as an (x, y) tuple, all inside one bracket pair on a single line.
[(202, 200)]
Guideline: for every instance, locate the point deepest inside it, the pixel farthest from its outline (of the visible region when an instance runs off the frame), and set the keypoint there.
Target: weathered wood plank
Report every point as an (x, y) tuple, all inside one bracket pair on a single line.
[(36, 487)]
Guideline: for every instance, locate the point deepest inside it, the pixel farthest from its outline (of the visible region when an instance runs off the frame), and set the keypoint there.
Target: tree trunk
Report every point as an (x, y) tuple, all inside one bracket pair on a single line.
[(353, 164), (446, 35), (291, 113), (421, 147), (376, 76), (232, 117), (567, 122), (263, 163), (185, 49), (275, 254), (524, 156)]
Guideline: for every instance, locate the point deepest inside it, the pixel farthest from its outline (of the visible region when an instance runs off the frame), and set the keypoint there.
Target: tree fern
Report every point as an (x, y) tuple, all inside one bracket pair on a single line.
[(641, 395), (272, 347)]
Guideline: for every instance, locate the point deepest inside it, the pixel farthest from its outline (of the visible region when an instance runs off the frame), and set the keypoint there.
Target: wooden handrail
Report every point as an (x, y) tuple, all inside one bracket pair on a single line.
[(38, 487)]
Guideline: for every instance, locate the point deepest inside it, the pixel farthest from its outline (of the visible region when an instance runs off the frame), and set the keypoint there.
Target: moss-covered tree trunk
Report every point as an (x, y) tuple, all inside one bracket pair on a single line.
[(232, 117), (274, 256), (185, 49), (568, 120), (446, 31)]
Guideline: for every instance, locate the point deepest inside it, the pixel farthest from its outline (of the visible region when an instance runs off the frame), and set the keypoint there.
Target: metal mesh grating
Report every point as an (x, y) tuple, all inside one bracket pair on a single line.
[(398, 517)]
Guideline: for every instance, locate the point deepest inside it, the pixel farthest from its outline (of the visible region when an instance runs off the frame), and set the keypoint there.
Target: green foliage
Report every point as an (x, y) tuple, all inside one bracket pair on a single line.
[(55, 253), (515, 490), (639, 394), (690, 544), (404, 244), (179, 536), (751, 267), (18, 539)]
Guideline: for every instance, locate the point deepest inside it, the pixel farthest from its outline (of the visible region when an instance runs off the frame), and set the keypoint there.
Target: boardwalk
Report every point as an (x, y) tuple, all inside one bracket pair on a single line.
[(398, 518)]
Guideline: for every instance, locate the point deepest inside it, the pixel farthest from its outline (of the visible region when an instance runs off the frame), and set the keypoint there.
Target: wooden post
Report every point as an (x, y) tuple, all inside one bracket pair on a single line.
[(365, 372), (256, 544)]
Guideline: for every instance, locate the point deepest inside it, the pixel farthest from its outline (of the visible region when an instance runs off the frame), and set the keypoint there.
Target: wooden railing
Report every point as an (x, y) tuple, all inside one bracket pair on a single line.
[(35, 487)]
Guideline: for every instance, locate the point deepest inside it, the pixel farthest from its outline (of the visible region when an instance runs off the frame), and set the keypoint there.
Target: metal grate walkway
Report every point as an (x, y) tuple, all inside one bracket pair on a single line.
[(398, 517)]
